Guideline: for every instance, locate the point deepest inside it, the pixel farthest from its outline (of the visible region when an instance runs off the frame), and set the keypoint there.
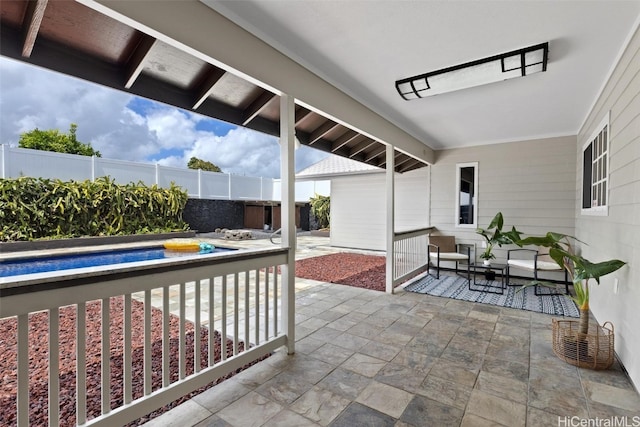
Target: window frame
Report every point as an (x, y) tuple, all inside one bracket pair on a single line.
[(598, 164), (459, 167)]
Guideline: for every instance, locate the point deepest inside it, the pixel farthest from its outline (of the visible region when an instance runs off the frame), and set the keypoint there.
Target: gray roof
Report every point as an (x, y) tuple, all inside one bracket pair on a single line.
[(333, 166)]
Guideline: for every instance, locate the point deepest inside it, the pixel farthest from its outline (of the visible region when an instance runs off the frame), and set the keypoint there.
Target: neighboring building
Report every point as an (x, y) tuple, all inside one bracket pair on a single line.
[(358, 213)]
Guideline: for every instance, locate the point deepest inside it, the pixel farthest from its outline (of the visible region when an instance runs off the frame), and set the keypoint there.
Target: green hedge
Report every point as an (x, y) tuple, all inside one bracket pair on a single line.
[(35, 208)]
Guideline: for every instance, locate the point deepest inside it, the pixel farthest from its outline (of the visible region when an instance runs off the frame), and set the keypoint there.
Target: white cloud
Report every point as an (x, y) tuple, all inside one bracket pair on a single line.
[(243, 152), (33, 97)]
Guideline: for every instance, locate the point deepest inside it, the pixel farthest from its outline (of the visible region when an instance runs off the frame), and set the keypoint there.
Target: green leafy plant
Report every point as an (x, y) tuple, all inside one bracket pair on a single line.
[(196, 163), (580, 269), (321, 209), (54, 140), (34, 208), (494, 235)]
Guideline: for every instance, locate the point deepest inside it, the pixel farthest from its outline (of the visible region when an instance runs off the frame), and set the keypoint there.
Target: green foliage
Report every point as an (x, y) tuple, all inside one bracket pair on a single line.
[(196, 163), (494, 235), (34, 208), (321, 209), (54, 140), (580, 269)]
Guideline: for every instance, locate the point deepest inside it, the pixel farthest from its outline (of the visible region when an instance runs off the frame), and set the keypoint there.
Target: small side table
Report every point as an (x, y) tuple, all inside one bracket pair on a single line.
[(484, 285)]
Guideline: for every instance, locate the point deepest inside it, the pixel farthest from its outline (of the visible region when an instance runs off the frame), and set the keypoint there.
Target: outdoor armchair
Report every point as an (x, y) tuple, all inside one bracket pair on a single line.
[(444, 248), (536, 262)]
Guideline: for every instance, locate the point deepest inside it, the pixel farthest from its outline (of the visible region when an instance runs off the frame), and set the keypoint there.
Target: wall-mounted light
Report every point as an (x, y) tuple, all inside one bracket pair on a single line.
[(517, 63)]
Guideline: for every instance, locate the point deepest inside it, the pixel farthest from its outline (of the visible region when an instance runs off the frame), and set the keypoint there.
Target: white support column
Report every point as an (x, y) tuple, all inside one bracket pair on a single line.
[(390, 196), (287, 176)]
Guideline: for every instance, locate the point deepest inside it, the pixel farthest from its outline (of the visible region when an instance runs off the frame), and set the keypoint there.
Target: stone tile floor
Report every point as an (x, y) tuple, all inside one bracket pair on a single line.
[(365, 358)]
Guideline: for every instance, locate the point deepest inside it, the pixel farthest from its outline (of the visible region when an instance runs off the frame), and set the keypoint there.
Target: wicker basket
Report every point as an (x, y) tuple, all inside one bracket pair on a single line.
[(594, 350)]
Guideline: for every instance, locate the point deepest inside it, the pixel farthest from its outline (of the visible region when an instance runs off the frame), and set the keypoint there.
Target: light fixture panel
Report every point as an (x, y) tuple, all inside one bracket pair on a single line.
[(517, 63)]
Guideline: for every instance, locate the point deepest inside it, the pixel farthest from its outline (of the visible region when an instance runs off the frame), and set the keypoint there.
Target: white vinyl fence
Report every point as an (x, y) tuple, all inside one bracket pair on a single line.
[(16, 162)]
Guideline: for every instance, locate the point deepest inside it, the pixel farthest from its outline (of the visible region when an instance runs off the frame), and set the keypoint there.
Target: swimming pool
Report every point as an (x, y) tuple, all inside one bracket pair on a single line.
[(67, 262)]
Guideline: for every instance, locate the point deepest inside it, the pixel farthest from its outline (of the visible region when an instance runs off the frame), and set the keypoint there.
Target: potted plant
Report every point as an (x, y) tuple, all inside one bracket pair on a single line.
[(581, 271), (493, 236)]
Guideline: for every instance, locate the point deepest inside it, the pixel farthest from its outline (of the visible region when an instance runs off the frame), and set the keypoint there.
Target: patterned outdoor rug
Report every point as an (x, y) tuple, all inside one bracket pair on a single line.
[(456, 287)]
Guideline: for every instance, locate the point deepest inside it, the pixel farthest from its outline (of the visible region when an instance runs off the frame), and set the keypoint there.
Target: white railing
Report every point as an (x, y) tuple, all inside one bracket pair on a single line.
[(162, 310), (410, 253), (16, 162)]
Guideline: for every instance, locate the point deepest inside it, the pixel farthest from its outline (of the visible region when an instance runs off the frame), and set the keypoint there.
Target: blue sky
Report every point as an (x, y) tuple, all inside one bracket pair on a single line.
[(126, 127)]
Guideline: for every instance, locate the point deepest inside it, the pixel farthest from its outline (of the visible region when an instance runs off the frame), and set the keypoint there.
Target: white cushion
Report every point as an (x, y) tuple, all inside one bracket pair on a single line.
[(449, 256), (528, 264)]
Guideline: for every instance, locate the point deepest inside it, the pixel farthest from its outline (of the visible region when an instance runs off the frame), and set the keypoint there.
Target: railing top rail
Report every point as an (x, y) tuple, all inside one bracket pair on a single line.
[(51, 280), (405, 234)]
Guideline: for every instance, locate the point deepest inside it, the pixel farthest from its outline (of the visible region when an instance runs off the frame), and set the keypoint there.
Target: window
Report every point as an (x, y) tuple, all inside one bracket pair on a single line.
[(595, 171), (466, 195)]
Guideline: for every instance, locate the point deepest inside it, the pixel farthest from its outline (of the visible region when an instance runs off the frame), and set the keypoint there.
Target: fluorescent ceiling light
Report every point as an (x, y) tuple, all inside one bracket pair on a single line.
[(517, 63)]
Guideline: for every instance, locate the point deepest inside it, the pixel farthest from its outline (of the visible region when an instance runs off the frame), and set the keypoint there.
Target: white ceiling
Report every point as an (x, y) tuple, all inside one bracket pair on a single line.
[(363, 47)]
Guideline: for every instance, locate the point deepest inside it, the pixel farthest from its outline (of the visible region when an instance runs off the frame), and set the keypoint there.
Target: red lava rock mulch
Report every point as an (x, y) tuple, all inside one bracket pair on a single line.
[(362, 271), (38, 363)]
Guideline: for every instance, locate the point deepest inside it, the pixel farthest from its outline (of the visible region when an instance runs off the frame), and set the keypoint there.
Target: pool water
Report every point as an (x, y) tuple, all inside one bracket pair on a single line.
[(66, 262)]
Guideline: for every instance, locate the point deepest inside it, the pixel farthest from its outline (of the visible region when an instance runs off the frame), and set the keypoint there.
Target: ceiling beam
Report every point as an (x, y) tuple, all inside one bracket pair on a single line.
[(257, 106), (374, 153), (412, 164), (205, 89), (31, 24), (361, 146), (403, 158), (138, 59), (348, 137), (301, 114), (322, 130)]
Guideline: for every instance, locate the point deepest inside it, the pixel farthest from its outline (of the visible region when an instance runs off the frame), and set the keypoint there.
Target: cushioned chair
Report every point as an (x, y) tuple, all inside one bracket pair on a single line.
[(535, 261), (444, 248)]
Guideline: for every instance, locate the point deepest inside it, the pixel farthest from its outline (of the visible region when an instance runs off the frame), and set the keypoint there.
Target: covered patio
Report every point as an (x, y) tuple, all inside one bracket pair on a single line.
[(316, 72), (366, 358)]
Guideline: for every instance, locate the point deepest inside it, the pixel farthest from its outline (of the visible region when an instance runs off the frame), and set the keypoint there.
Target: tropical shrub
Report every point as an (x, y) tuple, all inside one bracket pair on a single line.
[(36, 208), (205, 165), (321, 209), (580, 269)]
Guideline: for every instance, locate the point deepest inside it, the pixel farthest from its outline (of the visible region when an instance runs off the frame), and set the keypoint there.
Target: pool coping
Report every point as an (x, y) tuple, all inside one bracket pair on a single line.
[(88, 241)]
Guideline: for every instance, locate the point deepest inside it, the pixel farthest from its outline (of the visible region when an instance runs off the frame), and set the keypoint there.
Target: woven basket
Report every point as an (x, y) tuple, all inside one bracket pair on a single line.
[(594, 350)]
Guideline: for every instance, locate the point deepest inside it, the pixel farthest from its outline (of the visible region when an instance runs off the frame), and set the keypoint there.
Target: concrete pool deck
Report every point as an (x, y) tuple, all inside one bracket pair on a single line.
[(306, 246)]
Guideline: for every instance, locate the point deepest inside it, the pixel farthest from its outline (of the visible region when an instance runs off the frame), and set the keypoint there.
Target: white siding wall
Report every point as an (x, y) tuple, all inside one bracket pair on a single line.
[(358, 207), (531, 182), (618, 234)]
